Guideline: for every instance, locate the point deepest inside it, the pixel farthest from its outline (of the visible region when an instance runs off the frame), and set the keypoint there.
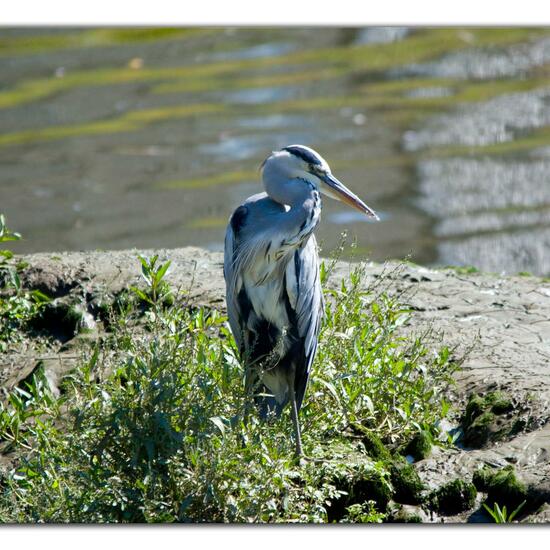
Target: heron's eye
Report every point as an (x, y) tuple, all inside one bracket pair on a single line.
[(316, 169)]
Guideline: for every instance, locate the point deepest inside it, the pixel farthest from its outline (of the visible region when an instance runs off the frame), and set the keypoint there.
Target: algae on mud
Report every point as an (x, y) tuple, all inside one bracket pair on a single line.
[(503, 488), (420, 446), (491, 417), (454, 497)]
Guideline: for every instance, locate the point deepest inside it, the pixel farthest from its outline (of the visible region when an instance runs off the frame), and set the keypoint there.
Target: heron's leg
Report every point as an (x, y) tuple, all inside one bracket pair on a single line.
[(295, 421)]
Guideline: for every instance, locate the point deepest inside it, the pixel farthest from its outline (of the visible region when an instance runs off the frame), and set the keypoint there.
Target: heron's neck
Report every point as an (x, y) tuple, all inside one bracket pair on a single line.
[(287, 191), (299, 222)]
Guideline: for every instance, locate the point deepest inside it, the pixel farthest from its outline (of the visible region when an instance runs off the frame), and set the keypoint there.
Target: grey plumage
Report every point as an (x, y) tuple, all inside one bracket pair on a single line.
[(271, 269)]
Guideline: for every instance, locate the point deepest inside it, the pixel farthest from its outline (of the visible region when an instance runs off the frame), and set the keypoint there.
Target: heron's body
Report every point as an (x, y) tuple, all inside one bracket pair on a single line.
[(271, 268), (275, 323)]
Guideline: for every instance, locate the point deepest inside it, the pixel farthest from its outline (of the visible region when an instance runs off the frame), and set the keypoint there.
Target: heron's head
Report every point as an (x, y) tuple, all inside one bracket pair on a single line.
[(298, 162)]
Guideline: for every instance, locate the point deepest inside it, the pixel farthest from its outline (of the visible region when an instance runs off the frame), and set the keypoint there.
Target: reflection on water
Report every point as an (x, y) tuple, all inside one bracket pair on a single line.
[(260, 50), (494, 121), (114, 138), (512, 61), (381, 35)]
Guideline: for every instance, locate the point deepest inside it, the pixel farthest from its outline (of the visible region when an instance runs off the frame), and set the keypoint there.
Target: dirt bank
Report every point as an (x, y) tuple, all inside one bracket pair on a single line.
[(500, 324)]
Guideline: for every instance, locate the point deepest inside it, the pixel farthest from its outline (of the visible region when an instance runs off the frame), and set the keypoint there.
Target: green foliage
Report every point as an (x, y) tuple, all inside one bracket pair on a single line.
[(160, 439), (16, 312), (5, 233), (153, 274), (375, 379), (28, 412), (17, 307), (363, 513), (501, 515), (152, 427)]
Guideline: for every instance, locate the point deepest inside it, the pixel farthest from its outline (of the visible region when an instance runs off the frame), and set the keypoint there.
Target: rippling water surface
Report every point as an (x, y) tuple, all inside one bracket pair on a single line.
[(114, 138)]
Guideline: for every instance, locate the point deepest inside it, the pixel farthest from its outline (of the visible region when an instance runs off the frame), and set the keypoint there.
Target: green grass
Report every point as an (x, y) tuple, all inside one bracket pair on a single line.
[(149, 425), (500, 515)]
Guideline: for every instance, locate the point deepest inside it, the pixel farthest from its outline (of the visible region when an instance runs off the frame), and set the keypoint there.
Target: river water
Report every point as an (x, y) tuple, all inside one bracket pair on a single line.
[(114, 138)]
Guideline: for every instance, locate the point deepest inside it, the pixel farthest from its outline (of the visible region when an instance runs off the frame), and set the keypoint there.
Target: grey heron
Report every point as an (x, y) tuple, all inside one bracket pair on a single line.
[(271, 270)]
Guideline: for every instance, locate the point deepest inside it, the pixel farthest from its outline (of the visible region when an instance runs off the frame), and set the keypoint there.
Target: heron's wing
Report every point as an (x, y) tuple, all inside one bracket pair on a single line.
[(233, 280), (248, 262), (306, 299)]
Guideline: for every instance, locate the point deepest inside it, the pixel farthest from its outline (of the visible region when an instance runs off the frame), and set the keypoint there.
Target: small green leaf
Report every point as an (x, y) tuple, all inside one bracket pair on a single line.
[(330, 388), (162, 270)]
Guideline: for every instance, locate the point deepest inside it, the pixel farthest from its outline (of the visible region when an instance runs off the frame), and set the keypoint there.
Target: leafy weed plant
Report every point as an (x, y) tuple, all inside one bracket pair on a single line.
[(376, 380), (150, 429), (17, 307)]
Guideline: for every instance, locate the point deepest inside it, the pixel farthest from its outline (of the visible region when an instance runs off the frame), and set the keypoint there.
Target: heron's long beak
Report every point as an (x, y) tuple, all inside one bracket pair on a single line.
[(337, 190)]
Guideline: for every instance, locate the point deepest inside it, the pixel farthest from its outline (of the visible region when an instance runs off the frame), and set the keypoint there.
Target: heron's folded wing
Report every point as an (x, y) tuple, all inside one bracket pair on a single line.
[(306, 298), (233, 284)]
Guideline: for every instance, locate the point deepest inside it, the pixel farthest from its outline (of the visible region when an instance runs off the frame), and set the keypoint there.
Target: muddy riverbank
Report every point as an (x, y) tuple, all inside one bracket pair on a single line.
[(499, 326)]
